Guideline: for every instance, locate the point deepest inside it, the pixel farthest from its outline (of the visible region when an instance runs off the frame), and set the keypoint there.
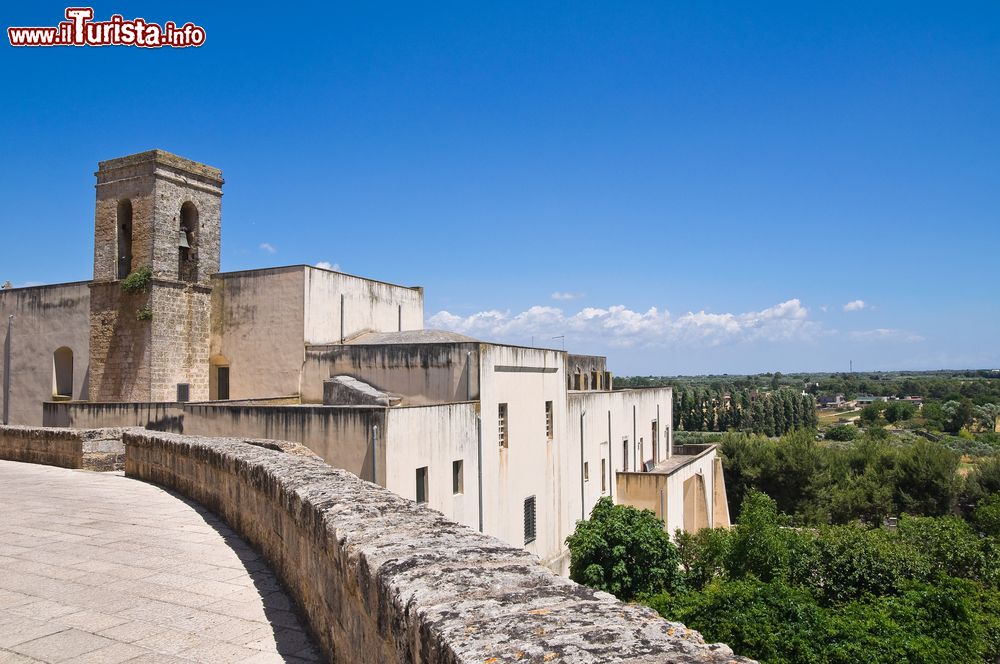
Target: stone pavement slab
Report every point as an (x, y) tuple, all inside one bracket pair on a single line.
[(96, 567)]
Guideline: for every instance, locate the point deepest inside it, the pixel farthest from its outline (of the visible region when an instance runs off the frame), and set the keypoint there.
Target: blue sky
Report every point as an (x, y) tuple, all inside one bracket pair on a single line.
[(686, 187)]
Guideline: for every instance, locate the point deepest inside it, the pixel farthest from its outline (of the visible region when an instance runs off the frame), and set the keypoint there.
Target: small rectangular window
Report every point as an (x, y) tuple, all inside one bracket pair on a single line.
[(548, 420), (422, 485), (502, 424), (529, 519), (586, 471), (457, 477), (625, 454), (604, 475)]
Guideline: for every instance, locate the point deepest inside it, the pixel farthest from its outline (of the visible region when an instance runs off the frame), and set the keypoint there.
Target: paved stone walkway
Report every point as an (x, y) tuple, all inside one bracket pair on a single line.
[(101, 568)]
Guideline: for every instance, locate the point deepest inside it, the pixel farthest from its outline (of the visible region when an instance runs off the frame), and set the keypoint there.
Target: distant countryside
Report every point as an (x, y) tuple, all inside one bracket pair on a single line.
[(867, 512)]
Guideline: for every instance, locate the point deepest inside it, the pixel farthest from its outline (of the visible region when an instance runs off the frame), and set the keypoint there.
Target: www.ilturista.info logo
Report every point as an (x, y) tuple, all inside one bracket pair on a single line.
[(79, 29)]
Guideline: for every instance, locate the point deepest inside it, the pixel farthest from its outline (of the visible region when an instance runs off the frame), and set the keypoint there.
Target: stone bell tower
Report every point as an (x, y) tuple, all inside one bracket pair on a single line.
[(157, 235)]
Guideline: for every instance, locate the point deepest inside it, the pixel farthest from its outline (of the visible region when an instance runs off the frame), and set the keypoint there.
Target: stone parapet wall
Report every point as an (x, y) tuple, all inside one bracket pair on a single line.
[(157, 416), (382, 579), (87, 449)]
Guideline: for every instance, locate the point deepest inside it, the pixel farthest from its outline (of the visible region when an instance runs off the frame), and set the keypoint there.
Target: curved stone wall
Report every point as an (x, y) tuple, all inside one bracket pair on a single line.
[(382, 579), (89, 449)]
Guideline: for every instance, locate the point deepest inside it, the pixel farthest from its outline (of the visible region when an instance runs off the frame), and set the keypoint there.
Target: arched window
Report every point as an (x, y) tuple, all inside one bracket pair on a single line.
[(124, 220), (187, 243), (62, 373)]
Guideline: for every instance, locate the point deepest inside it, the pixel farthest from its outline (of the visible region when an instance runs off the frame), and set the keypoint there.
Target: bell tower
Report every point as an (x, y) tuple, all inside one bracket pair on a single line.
[(157, 237)]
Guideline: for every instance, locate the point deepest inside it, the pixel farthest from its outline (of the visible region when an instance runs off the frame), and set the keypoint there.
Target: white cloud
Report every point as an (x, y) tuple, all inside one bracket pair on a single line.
[(268, 247), (886, 334), (566, 296), (623, 327), (327, 265), (855, 305)]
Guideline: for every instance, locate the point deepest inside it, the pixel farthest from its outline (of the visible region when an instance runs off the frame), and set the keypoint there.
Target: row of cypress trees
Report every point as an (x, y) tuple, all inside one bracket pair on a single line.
[(770, 413)]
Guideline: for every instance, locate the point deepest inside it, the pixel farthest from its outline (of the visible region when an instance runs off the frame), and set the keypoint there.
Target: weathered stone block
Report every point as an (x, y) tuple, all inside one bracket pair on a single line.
[(88, 449)]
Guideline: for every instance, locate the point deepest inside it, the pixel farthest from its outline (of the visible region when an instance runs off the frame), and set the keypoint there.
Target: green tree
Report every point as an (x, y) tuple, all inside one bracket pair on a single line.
[(778, 413), (934, 415), (760, 545), (862, 482), (746, 411), (773, 622), (935, 623), (842, 432), (899, 411), (797, 477), (987, 415), (759, 418), (949, 543), (809, 411), (986, 517), (958, 415), (927, 479), (623, 551), (983, 480), (688, 411), (854, 561), (747, 460), (871, 415), (703, 554)]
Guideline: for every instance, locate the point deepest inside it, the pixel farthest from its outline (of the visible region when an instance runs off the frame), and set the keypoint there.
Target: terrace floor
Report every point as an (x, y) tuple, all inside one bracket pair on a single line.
[(96, 567)]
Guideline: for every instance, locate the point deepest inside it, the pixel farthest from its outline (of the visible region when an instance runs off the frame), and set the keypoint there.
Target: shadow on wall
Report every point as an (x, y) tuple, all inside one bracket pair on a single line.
[(85, 386), (5, 396), (171, 423)]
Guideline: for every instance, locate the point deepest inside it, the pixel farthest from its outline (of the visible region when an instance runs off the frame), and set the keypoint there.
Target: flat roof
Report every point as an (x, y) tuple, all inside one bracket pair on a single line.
[(410, 337), (297, 266), (40, 286)]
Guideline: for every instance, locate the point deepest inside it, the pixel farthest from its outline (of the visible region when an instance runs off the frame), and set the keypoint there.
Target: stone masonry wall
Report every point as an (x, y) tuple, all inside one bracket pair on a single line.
[(180, 339), (89, 449), (176, 185), (120, 345), (127, 182), (383, 579)]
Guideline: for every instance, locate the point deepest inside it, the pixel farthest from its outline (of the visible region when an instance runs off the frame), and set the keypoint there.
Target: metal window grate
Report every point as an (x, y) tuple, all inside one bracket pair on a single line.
[(502, 424), (529, 519), (548, 420), (183, 392)]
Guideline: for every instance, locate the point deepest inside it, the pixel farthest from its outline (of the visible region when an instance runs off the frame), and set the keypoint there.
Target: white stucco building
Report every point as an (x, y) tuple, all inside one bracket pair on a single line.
[(518, 442)]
